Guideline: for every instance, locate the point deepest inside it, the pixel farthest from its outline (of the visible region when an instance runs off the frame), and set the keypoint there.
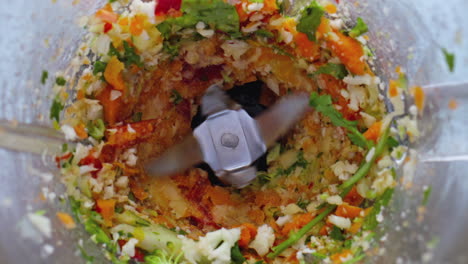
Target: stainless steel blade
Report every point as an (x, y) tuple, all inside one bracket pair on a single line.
[(282, 116), (179, 157)]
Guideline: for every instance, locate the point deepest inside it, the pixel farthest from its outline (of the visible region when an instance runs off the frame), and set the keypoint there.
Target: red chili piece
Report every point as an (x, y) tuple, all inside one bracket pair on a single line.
[(107, 27), (163, 6)]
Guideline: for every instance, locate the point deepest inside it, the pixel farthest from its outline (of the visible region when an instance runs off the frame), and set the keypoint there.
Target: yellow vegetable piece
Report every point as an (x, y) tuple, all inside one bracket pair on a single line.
[(113, 73)]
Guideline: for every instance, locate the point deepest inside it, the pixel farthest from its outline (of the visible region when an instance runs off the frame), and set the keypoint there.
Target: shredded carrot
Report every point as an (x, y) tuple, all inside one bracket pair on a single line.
[(419, 97), (453, 104), (137, 25), (393, 88), (330, 8), (341, 257), (348, 211), (248, 233), (373, 132), (66, 220), (80, 131), (113, 73), (298, 222), (106, 209)]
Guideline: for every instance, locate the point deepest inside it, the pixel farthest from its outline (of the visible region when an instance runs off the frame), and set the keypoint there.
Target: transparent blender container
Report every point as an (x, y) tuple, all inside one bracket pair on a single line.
[(43, 35)]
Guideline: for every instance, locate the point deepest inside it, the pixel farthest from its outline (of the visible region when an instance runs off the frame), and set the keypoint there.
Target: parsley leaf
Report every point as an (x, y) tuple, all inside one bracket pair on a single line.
[(359, 29), (56, 108), (336, 70), (449, 59), (176, 98), (310, 20), (99, 67), (215, 13), (171, 48), (128, 57), (60, 81), (236, 255), (323, 104), (44, 76), (370, 222), (336, 234), (96, 129)]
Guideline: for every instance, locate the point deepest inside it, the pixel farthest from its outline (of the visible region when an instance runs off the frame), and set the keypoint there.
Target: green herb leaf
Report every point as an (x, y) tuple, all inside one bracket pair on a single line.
[(129, 55), (338, 71), (171, 49), (302, 203), (60, 81), (392, 142), (359, 29), (176, 98), (355, 259), (310, 20), (236, 255), (99, 67), (56, 108), (370, 222), (449, 59), (426, 195), (323, 104), (264, 33), (44, 76), (96, 129), (336, 234)]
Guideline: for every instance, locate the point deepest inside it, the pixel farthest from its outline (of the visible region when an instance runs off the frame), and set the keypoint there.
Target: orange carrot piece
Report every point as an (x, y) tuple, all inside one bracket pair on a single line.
[(393, 88), (66, 220), (131, 134), (80, 131), (112, 108), (419, 97), (137, 25), (306, 48), (348, 211), (298, 222), (248, 233), (106, 209), (107, 15), (341, 257), (113, 73), (373, 132), (355, 227), (330, 8), (453, 104)]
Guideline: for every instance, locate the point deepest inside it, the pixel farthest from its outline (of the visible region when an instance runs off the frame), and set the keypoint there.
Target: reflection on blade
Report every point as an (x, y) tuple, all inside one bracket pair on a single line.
[(177, 158), (277, 120)]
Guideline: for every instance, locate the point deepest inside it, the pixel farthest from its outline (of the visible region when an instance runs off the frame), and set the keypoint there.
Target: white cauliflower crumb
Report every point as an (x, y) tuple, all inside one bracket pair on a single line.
[(263, 240), (340, 222), (41, 223), (129, 247), (335, 199), (69, 132)]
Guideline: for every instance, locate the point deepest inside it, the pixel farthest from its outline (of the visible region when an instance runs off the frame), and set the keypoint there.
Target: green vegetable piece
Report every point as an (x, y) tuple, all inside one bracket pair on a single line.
[(89, 259), (131, 218), (236, 255), (176, 98), (162, 257), (99, 234), (338, 71), (44, 76), (264, 33), (426, 195), (130, 56), (355, 259), (370, 222), (60, 81), (99, 67), (310, 20), (323, 104), (294, 237), (359, 29), (392, 142), (449, 59), (336, 234), (56, 108), (171, 49), (96, 129), (319, 255)]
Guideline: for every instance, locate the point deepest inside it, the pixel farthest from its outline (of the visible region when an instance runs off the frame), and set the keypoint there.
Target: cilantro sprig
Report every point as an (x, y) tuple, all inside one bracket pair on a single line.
[(359, 29), (338, 71), (56, 108), (310, 20), (323, 104), (128, 56), (449, 59)]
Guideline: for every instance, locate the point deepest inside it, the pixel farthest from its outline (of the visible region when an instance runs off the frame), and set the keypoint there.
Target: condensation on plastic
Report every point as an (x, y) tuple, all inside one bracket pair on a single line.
[(42, 35)]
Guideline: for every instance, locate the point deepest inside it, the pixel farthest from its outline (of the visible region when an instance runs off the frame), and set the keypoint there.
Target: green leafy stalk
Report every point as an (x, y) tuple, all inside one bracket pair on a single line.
[(310, 20), (236, 255), (323, 104), (56, 108), (359, 29), (370, 222), (365, 168), (294, 237)]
